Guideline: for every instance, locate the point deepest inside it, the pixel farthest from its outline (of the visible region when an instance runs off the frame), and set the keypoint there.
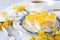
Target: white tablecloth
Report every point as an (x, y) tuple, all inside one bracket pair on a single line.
[(4, 36)]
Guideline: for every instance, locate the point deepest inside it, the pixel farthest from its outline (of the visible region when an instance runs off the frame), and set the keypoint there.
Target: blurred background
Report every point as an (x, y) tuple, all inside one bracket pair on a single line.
[(7, 3)]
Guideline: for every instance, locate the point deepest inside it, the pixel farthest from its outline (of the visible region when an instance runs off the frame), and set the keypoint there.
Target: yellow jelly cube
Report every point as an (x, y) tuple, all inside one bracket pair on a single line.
[(49, 23), (38, 16), (29, 17), (52, 16), (34, 13), (44, 14), (41, 21)]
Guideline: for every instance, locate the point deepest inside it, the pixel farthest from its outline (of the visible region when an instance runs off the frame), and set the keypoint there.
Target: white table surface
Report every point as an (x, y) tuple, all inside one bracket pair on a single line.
[(4, 4), (7, 3), (4, 36)]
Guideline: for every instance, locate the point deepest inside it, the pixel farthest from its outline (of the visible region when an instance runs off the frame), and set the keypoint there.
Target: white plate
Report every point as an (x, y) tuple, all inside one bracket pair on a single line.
[(23, 33)]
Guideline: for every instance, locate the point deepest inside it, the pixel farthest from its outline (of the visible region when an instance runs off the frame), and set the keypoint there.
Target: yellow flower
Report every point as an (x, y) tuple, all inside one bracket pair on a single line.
[(50, 37), (40, 32), (15, 7), (19, 8), (42, 38), (33, 38), (42, 35), (1, 26), (55, 31), (6, 22), (57, 37)]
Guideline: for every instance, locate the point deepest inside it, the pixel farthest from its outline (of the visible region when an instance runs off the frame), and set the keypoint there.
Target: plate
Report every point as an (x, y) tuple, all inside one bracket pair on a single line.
[(24, 35), (19, 22)]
